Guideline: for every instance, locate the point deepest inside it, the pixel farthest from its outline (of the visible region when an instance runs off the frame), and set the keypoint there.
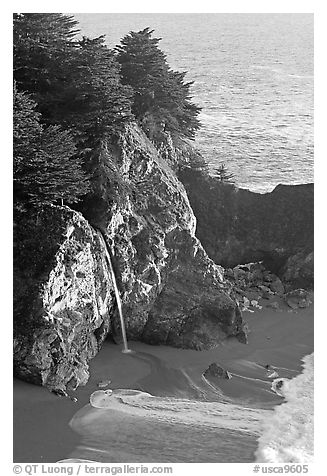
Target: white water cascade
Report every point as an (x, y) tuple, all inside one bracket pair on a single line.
[(125, 350)]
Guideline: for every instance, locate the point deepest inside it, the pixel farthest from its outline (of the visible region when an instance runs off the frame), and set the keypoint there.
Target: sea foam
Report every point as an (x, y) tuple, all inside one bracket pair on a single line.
[(288, 433)]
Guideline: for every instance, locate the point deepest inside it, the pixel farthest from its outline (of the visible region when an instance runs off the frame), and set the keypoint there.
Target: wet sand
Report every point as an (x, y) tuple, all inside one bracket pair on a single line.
[(278, 338)]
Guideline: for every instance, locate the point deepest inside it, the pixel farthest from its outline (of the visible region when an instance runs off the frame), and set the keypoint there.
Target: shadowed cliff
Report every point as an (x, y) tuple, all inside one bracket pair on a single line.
[(237, 226)]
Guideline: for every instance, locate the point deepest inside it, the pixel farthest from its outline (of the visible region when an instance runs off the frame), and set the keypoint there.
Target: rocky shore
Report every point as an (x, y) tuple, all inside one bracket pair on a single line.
[(237, 226), (252, 285)]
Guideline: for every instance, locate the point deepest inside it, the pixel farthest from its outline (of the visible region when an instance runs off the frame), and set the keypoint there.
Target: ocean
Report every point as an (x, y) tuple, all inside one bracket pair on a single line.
[(253, 79)]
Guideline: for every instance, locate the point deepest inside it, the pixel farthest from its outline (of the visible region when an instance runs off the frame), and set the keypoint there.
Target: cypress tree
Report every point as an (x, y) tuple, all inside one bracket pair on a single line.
[(222, 174), (46, 168), (95, 104), (75, 82), (161, 96), (42, 49)]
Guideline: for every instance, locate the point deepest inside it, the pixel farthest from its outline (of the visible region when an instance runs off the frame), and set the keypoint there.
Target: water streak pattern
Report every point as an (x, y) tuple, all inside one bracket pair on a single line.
[(133, 424)]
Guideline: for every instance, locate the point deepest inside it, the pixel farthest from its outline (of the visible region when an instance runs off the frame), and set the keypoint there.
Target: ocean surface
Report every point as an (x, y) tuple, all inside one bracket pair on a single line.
[(253, 78), (198, 421)]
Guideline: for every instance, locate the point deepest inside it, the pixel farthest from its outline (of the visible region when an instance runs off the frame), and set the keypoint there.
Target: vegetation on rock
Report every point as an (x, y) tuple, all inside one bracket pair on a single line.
[(46, 168), (161, 95), (73, 98), (222, 174), (75, 82)]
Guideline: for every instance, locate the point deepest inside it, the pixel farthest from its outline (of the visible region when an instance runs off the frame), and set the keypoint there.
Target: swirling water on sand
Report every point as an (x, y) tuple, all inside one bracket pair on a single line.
[(133, 425), (253, 78)]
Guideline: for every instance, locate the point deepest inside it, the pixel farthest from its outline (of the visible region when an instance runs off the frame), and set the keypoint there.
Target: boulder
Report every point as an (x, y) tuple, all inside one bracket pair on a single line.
[(298, 298), (277, 286), (246, 301), (229, 273), (298, 270), (265, 292), (239, 273), (268, 276), (215, 371), (252, 294), (255, 303)]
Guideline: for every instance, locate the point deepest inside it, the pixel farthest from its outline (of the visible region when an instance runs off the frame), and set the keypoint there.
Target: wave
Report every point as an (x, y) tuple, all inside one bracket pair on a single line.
[(288, 434)]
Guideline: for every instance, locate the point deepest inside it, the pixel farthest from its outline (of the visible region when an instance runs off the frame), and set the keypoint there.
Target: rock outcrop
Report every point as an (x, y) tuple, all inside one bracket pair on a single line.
[(237, 226), (155, 252), (298, 298), (63, 296), (185, 312), (216, 372), (251, 282), (299, 270), (172, 293)]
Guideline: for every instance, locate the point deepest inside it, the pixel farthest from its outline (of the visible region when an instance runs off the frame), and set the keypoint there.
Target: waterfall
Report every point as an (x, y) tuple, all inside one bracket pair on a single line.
[(126, 350)]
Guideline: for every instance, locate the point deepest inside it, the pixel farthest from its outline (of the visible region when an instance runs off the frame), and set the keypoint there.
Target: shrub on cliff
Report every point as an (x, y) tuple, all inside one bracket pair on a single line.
[(161, 95), (46, 169), (222, 174)]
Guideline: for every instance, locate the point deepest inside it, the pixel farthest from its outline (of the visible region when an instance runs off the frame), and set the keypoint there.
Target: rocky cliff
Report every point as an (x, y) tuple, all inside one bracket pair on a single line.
[(172, 293), (62, 298), (237, 226)]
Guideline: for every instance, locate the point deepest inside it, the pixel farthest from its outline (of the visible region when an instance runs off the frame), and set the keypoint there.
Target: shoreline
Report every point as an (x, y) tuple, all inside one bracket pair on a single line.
[(278, 338)]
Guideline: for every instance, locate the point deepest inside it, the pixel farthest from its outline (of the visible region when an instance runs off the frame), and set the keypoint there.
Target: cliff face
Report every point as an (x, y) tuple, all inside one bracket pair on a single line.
[(172, 293), (165, 276), (237, 226), (63, 296)]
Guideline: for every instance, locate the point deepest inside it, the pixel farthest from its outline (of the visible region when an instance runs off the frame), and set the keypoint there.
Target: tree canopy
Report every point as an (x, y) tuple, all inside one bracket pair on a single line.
[(75, 82), (73, 94), (222, 174), (162, 99), (46, 168), (68, 99)]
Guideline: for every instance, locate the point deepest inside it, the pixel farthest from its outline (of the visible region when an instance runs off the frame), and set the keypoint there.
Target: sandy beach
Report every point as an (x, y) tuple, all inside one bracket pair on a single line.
[(278, 338)]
